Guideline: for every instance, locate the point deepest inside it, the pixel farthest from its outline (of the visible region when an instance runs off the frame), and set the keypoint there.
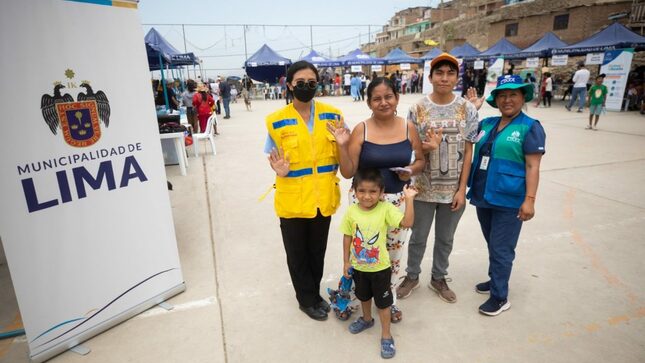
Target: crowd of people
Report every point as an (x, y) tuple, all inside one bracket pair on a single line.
[(407, 173)]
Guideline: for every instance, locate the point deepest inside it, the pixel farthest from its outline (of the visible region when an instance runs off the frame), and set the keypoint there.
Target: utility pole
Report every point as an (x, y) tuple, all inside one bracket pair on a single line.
[(183, 31), (311, 37)]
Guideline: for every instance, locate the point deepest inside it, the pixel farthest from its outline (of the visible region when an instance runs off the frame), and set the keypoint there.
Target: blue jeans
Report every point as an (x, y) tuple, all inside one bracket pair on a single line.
[(227, 109), (501, 230), (580, 93)]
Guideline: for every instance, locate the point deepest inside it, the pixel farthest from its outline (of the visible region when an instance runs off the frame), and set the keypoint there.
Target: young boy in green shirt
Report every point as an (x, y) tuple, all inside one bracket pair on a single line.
[(597, 98), (364, 227)]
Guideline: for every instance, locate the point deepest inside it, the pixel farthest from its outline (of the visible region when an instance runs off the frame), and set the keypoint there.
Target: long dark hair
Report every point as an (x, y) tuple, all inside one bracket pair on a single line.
[(377, 82), (298, 66)]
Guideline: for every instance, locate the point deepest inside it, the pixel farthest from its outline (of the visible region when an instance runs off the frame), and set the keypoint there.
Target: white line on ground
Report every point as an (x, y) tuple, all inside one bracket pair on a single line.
[(191, 305)]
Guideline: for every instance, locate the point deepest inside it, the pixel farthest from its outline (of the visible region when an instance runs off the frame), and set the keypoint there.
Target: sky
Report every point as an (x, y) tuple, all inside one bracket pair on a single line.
[(222, 47)]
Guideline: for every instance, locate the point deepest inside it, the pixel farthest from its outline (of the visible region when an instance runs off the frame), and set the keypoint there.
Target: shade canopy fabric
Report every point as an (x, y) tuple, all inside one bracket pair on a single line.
[(465, 51), (358, 58), (502, 47), (316, 58), (431, 54), (266, 65), (615, 36), (157, 44), (398, 56), (542, 48)]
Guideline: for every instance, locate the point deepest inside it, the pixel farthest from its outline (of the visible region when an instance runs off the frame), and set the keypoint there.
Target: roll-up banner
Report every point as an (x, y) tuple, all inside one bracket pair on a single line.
[(616, 65), (495, 70), (86, 220)]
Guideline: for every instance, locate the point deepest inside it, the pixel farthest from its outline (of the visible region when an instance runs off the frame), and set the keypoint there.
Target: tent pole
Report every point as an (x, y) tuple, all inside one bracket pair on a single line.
[(163, 83)]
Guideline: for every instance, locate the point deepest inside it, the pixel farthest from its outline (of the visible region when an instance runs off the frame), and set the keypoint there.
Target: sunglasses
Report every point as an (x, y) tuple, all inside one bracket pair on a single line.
[(306, 84)]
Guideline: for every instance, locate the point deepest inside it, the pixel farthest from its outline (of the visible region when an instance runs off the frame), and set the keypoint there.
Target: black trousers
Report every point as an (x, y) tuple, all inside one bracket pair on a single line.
[(305, 242)]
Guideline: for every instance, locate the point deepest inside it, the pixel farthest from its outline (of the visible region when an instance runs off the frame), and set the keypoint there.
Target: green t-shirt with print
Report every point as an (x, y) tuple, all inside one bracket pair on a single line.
[(368, 229), (597, 94)]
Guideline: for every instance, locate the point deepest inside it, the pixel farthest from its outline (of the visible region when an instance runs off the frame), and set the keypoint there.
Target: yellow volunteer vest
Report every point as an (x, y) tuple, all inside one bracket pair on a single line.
[(312, 183)]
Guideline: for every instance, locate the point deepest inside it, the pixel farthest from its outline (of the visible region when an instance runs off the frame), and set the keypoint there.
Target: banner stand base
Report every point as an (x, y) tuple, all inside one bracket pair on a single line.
[(76, 340), (81, 350), (166, 305)]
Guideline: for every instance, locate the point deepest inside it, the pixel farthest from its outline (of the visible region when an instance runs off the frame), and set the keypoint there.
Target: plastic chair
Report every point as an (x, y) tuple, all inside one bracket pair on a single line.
[(207, 134)]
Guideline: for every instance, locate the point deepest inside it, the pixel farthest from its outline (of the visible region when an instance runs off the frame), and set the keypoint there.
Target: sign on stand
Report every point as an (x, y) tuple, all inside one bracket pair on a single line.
[(405, 66), (559, 59), (479, 64), (532, 62), (616, 65), (357, 69), (87, 226), (594, 58)]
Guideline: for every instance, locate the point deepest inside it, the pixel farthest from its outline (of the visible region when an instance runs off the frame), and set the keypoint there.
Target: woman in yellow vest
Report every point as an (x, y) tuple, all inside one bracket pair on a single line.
[(304, 156)]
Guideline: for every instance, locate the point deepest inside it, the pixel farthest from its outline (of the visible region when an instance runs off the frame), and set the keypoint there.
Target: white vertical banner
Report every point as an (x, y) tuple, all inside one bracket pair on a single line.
[(616, 65), (427, 85), (86, 220), (494, 71)]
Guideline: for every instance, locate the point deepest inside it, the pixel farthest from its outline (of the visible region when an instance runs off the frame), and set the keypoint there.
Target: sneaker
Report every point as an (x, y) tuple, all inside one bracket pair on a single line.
[(579, 110), (387, 348), (568, 108), (359, 325), (483, 287), (405, 289), (588, 127), (595, 129), (494, 307), (442, 289)]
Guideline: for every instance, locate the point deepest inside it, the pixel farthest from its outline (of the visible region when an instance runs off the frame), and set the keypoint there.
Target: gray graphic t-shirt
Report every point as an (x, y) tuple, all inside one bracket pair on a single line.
[(440, 178)]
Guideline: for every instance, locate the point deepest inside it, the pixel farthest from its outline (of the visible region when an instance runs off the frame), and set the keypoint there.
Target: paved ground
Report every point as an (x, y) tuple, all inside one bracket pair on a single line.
[(577, 289)]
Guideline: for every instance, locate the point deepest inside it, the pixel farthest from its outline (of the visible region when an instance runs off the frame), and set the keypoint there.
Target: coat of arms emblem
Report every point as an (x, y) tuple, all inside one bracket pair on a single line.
[(79, 120)]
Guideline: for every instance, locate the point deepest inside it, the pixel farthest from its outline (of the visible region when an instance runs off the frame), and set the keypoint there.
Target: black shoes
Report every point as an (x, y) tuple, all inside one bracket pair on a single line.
[(323, 305), (314, 312)]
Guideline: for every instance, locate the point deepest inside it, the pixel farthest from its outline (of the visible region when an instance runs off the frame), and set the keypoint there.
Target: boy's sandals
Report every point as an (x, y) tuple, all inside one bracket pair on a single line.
[(387, 348), (397, 314), (359, 325), (344, 315)]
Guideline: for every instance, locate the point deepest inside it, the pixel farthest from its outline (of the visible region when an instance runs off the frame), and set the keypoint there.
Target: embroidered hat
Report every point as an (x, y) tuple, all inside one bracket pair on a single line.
[(511, 82)]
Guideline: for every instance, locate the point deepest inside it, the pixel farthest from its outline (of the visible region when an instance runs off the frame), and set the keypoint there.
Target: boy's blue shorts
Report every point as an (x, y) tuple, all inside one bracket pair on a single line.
[(595, 109)]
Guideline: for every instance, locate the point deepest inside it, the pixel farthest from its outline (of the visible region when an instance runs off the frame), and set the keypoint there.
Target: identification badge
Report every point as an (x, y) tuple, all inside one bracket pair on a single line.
[(484, 163)]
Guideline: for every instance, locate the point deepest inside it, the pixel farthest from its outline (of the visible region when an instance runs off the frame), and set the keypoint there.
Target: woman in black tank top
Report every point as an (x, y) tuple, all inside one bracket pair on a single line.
[(386, 142)]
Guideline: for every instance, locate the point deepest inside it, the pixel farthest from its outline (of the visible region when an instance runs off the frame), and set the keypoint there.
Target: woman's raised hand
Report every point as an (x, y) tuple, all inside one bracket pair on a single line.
[(432, 141), (339, 131), (279, 162)]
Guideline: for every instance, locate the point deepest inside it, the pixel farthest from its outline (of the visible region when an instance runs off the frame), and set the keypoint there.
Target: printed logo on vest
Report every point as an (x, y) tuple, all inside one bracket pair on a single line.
[(515, 137)]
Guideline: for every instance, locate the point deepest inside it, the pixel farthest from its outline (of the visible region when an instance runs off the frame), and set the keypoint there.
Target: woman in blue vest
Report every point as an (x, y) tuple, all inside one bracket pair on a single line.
[(503, 182), (304, 156)]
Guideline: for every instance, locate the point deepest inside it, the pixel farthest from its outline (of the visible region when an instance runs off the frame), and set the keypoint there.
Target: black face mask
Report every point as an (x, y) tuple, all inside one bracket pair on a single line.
[(304, 94)]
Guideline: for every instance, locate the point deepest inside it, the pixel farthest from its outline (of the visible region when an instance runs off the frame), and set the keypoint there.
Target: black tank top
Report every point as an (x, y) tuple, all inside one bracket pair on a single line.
[(386, 156)]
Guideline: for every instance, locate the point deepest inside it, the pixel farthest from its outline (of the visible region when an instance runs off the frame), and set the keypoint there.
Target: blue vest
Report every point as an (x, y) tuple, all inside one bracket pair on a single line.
[(506, 174)]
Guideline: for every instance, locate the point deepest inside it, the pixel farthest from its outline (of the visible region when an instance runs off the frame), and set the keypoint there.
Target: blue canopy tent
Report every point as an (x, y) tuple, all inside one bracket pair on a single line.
[(358, 58), (465, 51), (431, 54), (171, 55), (266, 65), (502, 48), (398, 56), (542, 48), (316, 58), (162, 54), (615, 36)]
